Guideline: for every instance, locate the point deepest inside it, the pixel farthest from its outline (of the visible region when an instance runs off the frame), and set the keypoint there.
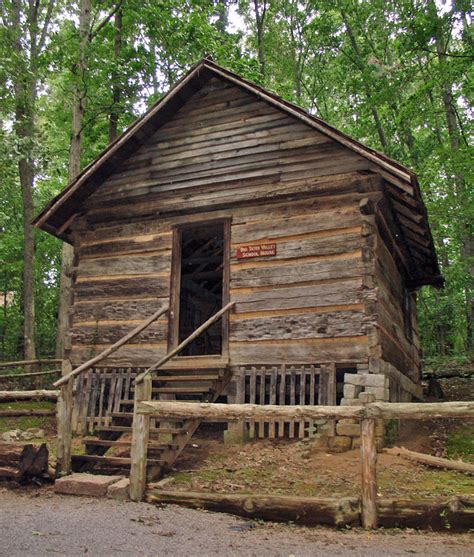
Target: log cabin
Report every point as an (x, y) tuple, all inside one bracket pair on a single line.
[(224, 195)]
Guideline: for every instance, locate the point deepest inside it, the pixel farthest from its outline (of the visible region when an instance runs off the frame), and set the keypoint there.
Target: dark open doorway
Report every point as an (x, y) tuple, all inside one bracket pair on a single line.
[(201, 286)]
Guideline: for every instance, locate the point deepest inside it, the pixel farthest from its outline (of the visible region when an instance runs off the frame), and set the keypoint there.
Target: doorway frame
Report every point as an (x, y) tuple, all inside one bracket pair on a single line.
[(175, 283)]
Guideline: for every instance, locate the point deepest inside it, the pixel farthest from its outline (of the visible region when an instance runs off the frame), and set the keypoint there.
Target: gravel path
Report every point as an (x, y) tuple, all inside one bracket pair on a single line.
[(37, 523)]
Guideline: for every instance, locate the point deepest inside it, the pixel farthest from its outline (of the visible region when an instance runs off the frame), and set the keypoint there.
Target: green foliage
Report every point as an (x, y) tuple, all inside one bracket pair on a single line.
[(378, 70)]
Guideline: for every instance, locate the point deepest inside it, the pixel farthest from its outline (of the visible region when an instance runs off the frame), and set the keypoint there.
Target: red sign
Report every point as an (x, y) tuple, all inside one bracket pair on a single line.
[(257, 250)]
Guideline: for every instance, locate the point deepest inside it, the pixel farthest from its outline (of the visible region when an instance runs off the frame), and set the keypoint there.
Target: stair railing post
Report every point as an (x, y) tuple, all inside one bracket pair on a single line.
[(64, 423), (140, 434), (368, 461)]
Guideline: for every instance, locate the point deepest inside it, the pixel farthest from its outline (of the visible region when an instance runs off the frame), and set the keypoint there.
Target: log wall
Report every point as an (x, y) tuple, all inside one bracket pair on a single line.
[(227, 154), (399, 347)]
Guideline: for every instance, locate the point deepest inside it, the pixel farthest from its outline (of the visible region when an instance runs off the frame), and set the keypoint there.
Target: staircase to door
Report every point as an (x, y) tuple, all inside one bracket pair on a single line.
[(109, 450)]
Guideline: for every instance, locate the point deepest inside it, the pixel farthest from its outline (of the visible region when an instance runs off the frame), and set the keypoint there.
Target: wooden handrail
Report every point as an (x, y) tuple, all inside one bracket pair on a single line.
[(185, 342), (113, 348)]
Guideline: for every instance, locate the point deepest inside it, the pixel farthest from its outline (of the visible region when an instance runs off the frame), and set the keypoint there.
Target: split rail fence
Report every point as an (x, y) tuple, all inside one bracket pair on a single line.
[(144, 409)]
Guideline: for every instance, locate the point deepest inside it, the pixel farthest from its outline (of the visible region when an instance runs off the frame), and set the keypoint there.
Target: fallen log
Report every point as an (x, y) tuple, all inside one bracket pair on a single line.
[(429, 460), (19, 412), (20, 461), (452, 514), (9, 396), (309, 511)]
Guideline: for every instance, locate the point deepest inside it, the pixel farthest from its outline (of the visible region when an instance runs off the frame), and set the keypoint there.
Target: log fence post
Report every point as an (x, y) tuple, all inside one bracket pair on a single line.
[(368, 460), (140, 434), (64, 426)]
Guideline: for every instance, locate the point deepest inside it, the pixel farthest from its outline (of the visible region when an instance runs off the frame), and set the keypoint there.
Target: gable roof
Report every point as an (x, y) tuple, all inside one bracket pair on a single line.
[(404, 191)]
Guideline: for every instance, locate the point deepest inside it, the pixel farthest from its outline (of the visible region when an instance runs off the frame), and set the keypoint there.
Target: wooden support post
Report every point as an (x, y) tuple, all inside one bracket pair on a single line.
[(140, 434), (64, 409), (368, 460)]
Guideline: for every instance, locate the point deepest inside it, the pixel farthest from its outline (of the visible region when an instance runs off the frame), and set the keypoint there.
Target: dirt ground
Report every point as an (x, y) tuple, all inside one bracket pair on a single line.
[(302, 468), (40, 523)]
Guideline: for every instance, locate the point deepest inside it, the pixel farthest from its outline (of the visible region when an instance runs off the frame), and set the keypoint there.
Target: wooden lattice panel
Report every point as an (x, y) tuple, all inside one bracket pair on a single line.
[(98, 392), (285, 385)]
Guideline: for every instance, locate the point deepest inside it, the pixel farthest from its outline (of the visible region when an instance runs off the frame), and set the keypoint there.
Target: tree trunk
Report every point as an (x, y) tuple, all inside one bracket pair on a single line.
[(260, 23), (116, 89), (78, 109), (373, 109), (25, 96), (462, 195)]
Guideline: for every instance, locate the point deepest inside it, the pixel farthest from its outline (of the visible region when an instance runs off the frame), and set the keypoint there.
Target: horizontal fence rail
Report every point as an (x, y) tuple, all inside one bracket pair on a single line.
[(233, 412), (10, 396), (26, 363), (144, 409)]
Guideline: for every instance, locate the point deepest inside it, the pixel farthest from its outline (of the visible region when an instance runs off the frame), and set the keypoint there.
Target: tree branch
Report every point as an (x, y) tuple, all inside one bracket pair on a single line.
[(103, 23)]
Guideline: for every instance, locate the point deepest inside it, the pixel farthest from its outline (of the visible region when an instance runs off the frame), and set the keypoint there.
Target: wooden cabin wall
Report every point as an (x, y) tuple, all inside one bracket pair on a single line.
[(303, 305), (397, 348), (226, 154)]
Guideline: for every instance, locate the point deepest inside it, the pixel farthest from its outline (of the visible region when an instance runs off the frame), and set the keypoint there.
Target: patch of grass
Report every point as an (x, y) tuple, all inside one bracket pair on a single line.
[(27, 422), (425, 483), (460, 444), (182, 478)]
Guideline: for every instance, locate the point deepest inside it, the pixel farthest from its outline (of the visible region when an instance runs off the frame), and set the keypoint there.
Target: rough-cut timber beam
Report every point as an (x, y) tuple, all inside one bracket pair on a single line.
[(234, 412), (10, 396)]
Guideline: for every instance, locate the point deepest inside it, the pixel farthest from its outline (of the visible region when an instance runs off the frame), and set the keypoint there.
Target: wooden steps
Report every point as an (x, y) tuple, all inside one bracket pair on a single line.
[(181, 390), (128, 429), (190, 383), (122, 443), (185, 378)]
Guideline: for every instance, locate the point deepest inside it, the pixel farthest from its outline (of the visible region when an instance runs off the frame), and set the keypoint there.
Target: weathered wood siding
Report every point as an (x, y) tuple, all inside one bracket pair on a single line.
[(401, 351), (226, 154)]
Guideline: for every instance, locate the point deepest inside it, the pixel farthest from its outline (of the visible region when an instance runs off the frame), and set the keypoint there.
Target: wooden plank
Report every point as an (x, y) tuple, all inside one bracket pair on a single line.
[(281, 423), (253, 398), (272, 400), (291, 430), (261, 425), (302, 350), (312, 270), (309, 325), (237, 193)]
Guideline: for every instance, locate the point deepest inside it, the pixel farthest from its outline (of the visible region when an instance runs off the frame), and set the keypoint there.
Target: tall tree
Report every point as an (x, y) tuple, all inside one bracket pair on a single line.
[(74, 166), (29, 26)]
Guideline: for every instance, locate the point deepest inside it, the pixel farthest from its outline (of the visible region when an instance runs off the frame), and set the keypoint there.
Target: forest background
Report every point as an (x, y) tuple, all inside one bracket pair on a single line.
[(396, 75)]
